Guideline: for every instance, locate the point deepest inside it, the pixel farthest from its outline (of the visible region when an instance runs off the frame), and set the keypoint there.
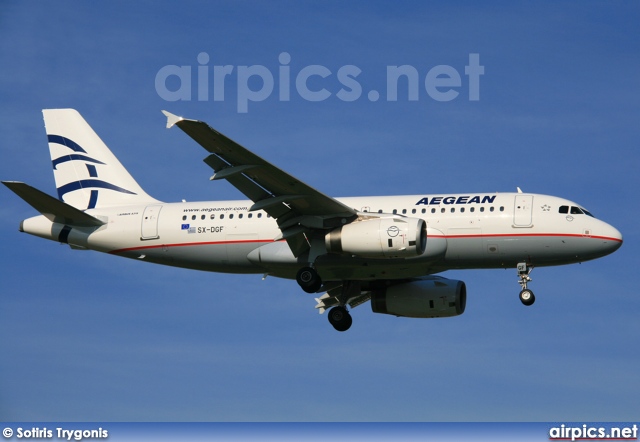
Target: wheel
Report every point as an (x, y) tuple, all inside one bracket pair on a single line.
[(309, 279), (527, 297), (340, 318)]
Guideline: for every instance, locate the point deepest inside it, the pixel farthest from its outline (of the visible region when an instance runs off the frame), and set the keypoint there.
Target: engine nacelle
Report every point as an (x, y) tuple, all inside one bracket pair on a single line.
[(430, 298), (390, 237)]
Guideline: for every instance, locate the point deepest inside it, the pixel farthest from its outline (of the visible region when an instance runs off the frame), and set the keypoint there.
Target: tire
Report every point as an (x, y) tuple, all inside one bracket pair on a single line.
[(527, 297), (340, 318), (309, 280)]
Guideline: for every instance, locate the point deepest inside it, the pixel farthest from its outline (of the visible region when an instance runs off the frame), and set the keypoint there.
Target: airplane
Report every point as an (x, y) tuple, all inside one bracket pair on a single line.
[(386, 249)]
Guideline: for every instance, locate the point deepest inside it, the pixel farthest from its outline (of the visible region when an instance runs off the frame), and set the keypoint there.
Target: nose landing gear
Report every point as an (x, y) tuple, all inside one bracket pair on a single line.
[(526, 296)]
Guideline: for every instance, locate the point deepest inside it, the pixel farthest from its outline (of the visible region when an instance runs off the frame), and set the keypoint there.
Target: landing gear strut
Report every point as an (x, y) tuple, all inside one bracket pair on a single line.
[(526, 295), (338, 297), (309, 280)]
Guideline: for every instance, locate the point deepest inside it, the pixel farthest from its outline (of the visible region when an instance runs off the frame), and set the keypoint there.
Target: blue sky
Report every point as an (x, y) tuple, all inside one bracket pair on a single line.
[(85, 336)]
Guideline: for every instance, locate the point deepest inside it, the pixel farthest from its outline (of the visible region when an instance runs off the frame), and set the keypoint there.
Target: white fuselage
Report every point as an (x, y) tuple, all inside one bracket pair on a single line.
[(463, 231), (382, 249)]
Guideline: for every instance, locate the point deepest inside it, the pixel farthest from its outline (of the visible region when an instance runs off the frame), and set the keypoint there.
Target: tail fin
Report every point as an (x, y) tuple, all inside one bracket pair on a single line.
[(87, 174)]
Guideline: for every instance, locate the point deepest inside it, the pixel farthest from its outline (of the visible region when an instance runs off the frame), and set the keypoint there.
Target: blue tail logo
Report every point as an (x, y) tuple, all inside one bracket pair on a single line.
[(92, 182)]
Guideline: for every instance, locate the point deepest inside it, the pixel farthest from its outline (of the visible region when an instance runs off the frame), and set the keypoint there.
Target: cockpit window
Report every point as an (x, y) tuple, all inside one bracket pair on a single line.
[(576, 210)]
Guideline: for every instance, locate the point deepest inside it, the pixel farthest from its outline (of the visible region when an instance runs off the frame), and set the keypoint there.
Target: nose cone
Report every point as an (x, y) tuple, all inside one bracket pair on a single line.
[(611, 239)]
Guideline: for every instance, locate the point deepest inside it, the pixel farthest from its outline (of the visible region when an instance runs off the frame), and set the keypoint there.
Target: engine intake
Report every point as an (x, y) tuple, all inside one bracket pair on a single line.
[(391, 237), (430, 298)]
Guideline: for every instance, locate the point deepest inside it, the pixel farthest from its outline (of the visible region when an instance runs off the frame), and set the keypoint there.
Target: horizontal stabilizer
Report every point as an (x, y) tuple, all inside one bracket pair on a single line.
[(54, 209)]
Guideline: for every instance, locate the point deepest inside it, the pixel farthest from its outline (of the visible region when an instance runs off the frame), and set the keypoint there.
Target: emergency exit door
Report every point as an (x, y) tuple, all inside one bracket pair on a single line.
[(150, 219), (523, 209)]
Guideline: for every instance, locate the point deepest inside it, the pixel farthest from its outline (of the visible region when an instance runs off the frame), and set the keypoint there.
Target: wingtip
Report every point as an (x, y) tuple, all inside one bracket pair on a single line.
[(171, 119)]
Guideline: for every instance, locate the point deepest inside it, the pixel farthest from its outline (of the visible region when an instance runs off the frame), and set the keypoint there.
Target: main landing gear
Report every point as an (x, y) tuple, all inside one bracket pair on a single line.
[(350, 293), (526, 295), (340, 318), (309, 280), (337, 297)]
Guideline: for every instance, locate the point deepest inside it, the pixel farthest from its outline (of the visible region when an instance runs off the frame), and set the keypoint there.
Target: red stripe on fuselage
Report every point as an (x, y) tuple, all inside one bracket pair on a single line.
[(505, 235), (190, 244), (497, 235)]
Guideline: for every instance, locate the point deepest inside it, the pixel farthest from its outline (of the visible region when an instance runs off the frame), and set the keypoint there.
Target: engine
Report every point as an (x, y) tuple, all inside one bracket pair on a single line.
[(390, 237), (429, 298)]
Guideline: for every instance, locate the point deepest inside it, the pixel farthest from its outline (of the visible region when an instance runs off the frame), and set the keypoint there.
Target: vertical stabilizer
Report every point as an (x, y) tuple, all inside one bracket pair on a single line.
[(87, 174)]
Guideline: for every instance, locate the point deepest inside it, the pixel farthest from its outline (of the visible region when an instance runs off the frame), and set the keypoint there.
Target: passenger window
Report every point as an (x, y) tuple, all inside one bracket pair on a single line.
[(250, 215), (203, 217), (380, 211), (442, 210), (491, 209), (213, 216), (193, 218), (501, 208), (424, 210), (231, 216), (404, 211), (564, 209), (462, 210), (433, 210), (473, 209), (222, 216), (395, 211), (482, 209), (184, 217), (259, 215), (240, 216), (453, 209), (413, 211)]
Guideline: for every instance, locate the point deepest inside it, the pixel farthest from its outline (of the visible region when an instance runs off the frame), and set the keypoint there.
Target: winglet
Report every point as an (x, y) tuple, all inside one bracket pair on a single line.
[(171, 119)]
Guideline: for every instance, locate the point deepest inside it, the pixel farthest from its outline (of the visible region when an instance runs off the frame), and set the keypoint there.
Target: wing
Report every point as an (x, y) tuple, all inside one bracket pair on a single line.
[(299, 209)]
